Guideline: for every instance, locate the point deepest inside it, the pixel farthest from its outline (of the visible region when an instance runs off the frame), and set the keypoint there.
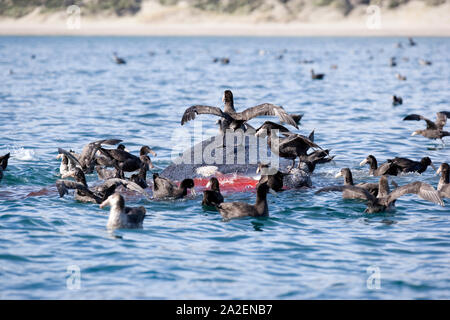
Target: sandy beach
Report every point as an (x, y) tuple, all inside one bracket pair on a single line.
[(414, 19)]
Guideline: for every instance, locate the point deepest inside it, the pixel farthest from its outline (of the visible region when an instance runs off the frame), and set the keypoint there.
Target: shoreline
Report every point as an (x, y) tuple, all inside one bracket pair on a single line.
[(213, 29)]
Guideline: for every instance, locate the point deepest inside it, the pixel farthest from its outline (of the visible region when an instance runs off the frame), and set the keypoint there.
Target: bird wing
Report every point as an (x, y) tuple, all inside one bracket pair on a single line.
[(441, 119), (295, 139), (191, 112), (274, 126), (4, 161), (116, 154), (126, 183), (423, 190), (70, 157), (266, 109), (358, 192), (418, 117), (64, 185)]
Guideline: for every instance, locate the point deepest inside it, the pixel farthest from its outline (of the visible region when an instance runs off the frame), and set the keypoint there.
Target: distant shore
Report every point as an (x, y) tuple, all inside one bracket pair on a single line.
[(413, 19), (127, 28)]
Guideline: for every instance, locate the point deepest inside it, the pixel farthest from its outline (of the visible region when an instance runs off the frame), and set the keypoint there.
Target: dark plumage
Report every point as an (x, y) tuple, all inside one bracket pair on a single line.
[(213, 196), (272, 176), (407, 165), (291, 146), (117, 59), (141, 177), (386, 199), (96, 194), (230, 119), (317, 76), (4, 161), (387, 168), (396, 100), (434, 130), (444, 183), (412, 43), (165, 188), (231, 210), (86, 160), (348, 181), (120, 216), (125, 161)]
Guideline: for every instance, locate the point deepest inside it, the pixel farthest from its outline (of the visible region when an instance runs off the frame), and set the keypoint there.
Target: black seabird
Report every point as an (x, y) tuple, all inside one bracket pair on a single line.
[(272, 176), (317, 76), (291, 146), (396, 100), (3, 164), (434, 130), (212, 197), (387, 168), (348, 181), (165, 188), (386, 199), (96, 194), (231, 210), (125, 161), (444, 183), (117, 59), (230, 119), (407, 165)]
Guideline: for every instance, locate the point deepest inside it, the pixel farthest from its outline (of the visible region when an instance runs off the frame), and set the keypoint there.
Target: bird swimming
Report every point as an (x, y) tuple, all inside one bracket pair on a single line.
[(388, 168), (444, 183), (406, 165), (165, 188), (3, 164), (272, 176), (400, 77), (232, 210), (317, 76), (385, 201), (212, 197), (118, 59), (96, 194), (348, 181), (230, 119), (120, 216), (396, 100), (434, 130)]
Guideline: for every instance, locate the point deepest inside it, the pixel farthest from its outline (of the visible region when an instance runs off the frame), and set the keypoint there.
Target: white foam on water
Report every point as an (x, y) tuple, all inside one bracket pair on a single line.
[(22, 154)]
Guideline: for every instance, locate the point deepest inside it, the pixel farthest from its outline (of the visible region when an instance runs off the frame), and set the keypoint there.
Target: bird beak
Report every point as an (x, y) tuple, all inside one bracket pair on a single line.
[(339, 174), (193, 192), (363, 162), (59, 156), (432, 165), (104, 203), (414, 133), (439, 170), (126, 150), (208, 185), (258, 169), (273, 192)]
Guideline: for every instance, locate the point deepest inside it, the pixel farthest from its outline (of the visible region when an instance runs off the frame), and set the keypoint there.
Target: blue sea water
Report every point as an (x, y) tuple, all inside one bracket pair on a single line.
[(311, 246)]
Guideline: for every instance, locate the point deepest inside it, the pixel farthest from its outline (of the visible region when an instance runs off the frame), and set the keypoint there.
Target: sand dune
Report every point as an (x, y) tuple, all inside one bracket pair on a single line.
[(414, 18)]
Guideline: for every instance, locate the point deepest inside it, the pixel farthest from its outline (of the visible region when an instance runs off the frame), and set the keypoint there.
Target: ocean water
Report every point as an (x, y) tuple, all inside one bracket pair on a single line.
[(310, 247)]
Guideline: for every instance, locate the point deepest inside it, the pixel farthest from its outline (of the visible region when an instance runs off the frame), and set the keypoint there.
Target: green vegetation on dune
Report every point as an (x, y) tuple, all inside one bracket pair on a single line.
[(19, 8)]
